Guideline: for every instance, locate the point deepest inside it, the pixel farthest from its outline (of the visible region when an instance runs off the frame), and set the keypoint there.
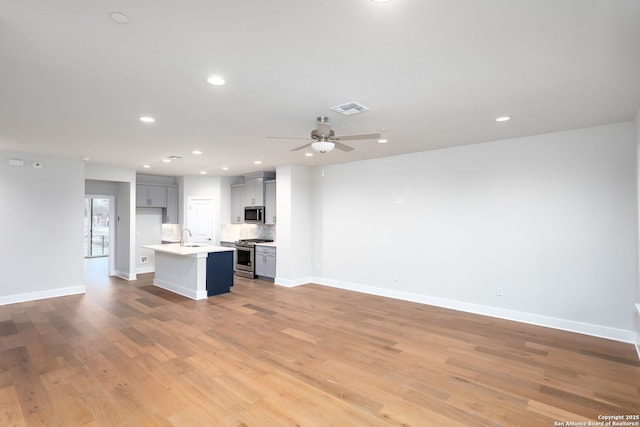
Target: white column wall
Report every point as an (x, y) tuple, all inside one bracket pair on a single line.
[(294, 227)]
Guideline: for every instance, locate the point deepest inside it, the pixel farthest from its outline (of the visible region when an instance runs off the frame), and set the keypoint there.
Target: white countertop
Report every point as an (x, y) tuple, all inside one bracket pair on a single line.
[(176, 249), (271, 244)]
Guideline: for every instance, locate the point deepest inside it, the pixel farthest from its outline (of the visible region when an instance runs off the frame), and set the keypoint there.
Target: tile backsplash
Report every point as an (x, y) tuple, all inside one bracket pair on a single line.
[(233, 232), (171, 232)]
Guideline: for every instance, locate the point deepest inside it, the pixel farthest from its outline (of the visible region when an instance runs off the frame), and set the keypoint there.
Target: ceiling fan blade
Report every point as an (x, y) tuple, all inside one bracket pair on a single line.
[(286, 137), (302, 147), (341, 146), (360, 136)]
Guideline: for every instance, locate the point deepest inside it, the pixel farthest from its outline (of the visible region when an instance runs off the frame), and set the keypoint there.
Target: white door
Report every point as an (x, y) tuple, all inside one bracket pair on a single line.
[(200, 220)]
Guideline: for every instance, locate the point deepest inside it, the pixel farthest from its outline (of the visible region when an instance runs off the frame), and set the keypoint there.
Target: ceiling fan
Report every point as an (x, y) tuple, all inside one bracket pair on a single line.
[(324, 138)]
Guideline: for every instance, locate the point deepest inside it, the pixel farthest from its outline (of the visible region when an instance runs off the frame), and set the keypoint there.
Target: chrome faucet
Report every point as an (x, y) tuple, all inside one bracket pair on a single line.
[(182, 240)]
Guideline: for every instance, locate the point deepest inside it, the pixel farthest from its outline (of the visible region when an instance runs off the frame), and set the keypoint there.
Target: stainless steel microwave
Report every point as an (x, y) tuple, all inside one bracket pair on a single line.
[(254, 214)]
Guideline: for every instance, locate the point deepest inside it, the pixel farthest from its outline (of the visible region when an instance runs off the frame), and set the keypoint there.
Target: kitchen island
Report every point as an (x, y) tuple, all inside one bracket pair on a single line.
[(196, 272)]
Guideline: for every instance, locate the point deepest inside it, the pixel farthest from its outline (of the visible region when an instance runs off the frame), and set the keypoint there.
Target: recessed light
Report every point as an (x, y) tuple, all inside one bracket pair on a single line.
[(147, 119), (85, 159), (146, 166), (166, 160), (381, 1), (258, 162), (196, 152), (120, 18), (203, 172), (224, 168), (503, 118), (216, 81), (308, 154), (383, 141)]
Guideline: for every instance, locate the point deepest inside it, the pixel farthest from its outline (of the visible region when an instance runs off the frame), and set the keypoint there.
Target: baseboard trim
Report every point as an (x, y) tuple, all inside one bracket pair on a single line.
[(517, 316), (292, 283), (185, 292), (125, 275), (51, 293), (638, 326), (145, 270)]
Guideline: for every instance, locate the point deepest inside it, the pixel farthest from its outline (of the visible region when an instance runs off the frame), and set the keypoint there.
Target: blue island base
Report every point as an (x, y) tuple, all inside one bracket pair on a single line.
[(219, 273)]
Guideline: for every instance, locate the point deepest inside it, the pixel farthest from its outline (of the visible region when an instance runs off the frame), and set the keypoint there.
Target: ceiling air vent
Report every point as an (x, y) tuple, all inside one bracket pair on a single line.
[(350, 108), (175, 157)]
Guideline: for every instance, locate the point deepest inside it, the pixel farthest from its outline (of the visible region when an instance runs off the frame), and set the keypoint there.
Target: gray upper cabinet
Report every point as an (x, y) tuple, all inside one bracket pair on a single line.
[(254, 187), (270, 202), (237, 203), (253, 192), (171, 213), (151, 196), (142, 195)]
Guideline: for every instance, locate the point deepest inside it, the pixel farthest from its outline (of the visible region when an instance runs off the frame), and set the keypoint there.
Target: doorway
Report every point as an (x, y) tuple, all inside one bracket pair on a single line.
[(99, 231), (97, 226), (200, 220)]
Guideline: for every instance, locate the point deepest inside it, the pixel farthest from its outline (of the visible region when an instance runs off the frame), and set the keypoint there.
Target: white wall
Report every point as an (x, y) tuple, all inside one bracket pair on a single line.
[(148, 232), (637, 136), (100, 187), (551, 219), (41, 224), (295, 218), (149, 225)]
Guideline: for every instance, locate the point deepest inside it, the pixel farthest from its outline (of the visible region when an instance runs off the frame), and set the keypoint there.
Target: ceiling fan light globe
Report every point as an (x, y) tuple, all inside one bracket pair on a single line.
[(323, 146)]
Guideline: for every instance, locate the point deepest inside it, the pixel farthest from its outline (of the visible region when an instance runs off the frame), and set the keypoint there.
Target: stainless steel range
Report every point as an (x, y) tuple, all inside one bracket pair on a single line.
[(246, 254)]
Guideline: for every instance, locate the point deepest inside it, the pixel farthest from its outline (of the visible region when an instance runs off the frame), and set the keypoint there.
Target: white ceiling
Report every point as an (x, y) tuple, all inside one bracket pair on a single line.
[(435, 73)]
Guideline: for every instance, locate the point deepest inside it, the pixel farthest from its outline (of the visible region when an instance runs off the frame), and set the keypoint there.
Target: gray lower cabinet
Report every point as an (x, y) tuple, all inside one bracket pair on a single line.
[(265, 261)]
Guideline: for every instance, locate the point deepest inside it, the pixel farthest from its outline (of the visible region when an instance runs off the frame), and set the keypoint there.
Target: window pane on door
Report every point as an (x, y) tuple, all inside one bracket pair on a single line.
[(96, 227)]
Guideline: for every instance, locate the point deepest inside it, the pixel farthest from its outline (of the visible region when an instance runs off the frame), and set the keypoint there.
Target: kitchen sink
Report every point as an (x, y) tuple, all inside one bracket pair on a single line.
[(193, 245)]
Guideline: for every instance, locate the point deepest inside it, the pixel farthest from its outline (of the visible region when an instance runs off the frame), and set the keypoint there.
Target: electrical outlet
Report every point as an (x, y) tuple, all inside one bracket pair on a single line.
[(144, 260), (396, 277), (499, 291)]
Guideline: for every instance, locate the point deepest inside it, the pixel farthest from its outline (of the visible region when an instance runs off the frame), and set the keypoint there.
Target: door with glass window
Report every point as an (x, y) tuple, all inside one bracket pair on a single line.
[(96, 226)]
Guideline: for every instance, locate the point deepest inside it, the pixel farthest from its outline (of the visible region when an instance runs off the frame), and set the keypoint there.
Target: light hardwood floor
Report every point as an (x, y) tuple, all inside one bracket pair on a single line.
[(128, 353)]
